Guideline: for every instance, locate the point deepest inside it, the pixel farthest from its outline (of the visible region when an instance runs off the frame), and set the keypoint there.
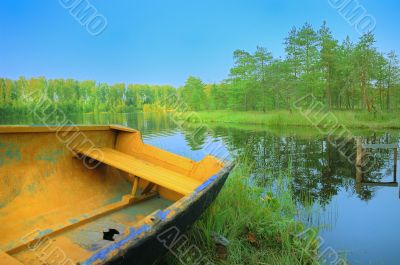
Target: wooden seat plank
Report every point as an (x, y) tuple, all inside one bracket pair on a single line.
[(143, 169)]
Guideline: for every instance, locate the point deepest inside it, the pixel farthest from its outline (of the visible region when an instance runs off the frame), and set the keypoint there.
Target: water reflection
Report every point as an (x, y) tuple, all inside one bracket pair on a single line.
[(318, 167)]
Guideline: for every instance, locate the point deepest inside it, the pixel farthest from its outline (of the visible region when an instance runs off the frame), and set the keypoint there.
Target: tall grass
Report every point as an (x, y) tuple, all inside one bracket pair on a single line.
[(259, 223), (351, 119)]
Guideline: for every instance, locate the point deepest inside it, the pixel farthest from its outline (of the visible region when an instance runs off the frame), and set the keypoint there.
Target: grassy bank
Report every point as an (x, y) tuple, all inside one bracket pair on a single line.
[(260, 226), (361, 120)]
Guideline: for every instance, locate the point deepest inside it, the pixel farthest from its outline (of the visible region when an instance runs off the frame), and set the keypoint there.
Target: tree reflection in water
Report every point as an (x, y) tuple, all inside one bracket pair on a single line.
[(318, 169)]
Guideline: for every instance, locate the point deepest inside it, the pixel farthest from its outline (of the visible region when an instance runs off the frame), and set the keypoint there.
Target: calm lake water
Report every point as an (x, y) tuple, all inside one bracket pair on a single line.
[(359, 220)]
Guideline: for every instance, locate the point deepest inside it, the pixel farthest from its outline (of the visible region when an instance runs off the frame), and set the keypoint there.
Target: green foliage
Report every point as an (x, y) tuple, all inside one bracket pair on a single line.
[(193, 93), (70, 96), (259, 224), (343, 76)]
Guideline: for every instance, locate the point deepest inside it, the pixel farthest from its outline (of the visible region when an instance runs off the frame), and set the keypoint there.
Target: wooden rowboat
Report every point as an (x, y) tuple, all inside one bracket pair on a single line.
[(96, 195)]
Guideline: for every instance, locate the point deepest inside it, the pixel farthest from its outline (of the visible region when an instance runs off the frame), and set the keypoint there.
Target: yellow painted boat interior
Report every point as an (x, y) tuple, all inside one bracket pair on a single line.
[(71, 184)]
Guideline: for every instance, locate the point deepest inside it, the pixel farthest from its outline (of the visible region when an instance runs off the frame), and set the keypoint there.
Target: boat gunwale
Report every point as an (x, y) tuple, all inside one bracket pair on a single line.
[(10, 129)]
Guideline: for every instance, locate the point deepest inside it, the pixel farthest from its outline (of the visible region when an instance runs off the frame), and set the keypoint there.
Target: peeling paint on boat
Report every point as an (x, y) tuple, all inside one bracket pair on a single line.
[(9, 153), (162, 215), (207, 183), (50, 156)]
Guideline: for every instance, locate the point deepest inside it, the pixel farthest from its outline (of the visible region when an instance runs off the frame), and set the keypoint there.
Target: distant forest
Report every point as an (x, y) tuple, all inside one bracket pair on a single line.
[(343, 75)]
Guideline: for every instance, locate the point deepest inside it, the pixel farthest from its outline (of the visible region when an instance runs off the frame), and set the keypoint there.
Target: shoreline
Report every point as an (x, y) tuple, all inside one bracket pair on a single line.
[(355, 120)]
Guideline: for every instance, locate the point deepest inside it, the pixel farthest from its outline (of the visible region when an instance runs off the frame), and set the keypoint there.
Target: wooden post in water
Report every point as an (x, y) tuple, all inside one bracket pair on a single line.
[(359, 152), (359, 161), (395, 165)]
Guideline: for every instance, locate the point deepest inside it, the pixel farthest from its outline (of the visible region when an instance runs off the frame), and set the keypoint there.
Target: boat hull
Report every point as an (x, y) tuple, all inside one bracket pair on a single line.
[(170, 234)]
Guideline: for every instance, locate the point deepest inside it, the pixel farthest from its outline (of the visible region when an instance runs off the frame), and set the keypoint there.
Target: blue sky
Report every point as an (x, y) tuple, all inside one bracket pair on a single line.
[(163, 42)]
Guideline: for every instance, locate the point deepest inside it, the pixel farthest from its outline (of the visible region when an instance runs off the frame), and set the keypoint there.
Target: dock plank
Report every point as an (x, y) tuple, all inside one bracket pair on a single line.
[(379, 146)]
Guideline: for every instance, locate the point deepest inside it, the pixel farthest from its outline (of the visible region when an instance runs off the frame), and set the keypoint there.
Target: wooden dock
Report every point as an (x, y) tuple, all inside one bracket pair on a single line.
[(361, 147)]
